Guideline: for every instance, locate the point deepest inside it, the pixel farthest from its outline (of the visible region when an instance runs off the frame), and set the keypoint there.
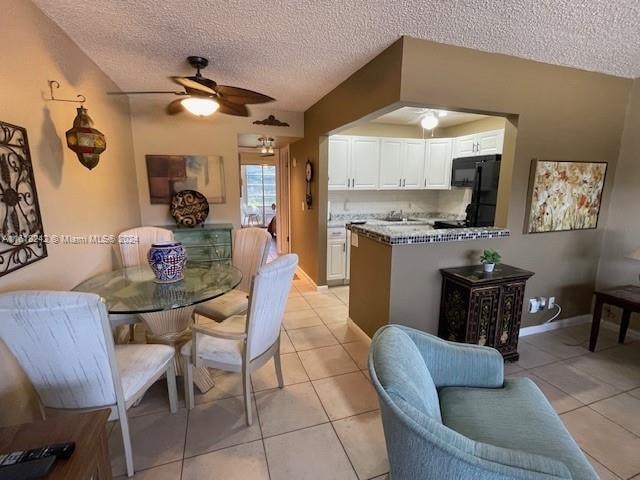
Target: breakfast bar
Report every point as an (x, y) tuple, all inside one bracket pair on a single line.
[(395, 270)]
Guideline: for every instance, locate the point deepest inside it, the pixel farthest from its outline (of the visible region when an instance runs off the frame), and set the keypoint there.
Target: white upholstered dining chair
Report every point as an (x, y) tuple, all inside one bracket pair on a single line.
[(134, 253), (250, 252), (63, 342), (244, 343)]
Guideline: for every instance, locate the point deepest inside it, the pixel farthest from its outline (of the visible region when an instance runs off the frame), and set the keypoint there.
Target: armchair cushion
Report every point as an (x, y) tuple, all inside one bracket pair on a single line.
[(516, 417), (402, 372)]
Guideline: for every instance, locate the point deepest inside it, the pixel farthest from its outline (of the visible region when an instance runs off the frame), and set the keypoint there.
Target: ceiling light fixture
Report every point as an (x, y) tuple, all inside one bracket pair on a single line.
[(429, 121), (265, 145), (202, 107)]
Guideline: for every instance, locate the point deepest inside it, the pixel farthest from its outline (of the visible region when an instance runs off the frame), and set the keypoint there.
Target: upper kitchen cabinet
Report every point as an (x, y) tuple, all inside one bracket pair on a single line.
[(365, 163), (484, 143), (354, 163), (401, 163), (339, 151), (437, 172)]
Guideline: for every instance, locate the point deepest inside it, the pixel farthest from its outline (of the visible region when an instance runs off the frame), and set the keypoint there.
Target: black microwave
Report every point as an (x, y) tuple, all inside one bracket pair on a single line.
[(466, 170)]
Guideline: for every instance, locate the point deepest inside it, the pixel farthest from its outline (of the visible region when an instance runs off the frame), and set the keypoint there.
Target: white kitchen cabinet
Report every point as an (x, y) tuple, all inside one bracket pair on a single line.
[(490, 143), (365, 163), (437, 173), (413, 165), (392, 151), (339, 150), (483, 143), (465, 146), (336, 253), (401, 163)]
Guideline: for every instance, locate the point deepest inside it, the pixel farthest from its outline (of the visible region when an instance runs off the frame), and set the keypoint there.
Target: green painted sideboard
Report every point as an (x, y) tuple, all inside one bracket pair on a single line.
[(209, 242)]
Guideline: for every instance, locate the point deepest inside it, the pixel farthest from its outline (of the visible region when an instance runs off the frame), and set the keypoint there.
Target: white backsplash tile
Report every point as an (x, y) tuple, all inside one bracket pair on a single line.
[(363, 202)]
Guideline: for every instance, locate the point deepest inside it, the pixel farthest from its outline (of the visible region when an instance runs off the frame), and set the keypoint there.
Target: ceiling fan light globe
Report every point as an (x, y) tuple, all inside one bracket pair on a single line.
[(429, 121), (202, 107)]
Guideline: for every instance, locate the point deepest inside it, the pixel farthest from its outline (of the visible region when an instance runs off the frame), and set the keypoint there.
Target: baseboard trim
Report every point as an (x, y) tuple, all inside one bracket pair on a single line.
[(564, 323), (572, 321), (302, 274)]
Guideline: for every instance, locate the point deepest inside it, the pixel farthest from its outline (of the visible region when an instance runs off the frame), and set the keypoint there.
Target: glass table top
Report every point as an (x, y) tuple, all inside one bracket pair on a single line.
[(134, 289)]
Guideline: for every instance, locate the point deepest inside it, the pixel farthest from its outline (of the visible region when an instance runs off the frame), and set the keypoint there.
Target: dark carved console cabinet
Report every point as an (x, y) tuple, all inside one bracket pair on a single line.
[(483, 308)]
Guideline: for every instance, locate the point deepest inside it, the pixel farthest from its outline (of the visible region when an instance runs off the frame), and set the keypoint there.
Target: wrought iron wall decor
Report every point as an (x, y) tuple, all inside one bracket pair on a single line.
[(22, 235)]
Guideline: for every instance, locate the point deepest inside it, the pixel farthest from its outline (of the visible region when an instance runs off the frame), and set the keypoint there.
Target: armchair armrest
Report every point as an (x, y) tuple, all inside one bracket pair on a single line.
[(219, 332), (529, 465), (458, 364)]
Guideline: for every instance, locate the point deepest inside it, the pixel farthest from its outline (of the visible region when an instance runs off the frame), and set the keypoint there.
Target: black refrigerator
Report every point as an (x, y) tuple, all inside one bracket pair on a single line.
[(482, 174)]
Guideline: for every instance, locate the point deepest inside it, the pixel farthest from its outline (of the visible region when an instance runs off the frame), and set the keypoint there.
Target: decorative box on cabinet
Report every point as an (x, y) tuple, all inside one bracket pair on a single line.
[(483, 308), (210, 242)]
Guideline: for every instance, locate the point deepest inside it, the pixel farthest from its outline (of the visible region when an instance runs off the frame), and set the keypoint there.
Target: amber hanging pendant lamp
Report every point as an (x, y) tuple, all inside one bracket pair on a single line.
[(82, 138), (86, 141)]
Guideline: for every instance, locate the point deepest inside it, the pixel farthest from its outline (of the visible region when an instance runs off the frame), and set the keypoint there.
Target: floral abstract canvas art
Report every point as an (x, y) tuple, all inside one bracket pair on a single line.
[(565, 195)]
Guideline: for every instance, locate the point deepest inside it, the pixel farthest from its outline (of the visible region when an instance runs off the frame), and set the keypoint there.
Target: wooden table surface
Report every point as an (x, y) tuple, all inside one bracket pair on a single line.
[(626, 297), (87, 429)]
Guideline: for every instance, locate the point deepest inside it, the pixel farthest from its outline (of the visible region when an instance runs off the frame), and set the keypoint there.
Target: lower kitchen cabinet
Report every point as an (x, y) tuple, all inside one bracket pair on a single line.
[(483, 308), (336, 254)]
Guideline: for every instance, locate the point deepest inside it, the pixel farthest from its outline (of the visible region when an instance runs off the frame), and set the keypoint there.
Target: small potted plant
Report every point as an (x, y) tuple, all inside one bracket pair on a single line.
[(489, 258)]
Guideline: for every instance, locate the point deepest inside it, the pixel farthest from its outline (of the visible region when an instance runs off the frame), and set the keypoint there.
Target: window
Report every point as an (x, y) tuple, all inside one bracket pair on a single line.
[(259, 182)]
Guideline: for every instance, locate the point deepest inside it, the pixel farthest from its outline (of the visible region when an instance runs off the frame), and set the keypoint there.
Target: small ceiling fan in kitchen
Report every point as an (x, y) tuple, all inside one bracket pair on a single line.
[(203, 96)]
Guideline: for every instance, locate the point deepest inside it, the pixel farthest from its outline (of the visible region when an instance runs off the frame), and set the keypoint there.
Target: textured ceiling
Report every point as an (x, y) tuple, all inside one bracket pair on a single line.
[(298, 50)]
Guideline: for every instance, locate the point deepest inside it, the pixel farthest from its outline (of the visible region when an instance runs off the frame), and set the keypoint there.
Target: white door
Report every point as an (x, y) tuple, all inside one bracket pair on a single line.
[(438, 164), (339, 148), (391, 153), (413, 165), (336, 256), (365, 163), (465, 146), (490, 143)]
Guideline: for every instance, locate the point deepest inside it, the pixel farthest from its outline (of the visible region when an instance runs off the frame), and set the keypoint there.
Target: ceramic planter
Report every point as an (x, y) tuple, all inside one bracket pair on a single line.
[(167, 260), (488, 267)]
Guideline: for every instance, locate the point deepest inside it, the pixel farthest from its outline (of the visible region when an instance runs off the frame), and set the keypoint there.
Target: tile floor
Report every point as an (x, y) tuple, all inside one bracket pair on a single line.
[(325, 423)]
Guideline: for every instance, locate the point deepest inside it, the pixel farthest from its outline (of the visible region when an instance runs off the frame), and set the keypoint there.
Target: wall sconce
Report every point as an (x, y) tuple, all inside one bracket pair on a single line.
[(87, 142)]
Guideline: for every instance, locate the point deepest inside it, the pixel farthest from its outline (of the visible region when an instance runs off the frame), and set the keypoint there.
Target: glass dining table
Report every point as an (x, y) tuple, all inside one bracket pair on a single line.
[(166, 309)]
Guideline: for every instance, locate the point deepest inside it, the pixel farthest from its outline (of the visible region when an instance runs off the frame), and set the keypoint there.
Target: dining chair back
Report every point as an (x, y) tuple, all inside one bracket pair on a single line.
[(250, 252), (244, 343), (63, 342), (135, 252), (267, 302)]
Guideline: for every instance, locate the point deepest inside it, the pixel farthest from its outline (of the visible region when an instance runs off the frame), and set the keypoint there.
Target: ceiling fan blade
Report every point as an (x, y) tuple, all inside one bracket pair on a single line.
[(144, 93), (230, 108), (174, 107), (242, 95), (203, 85)]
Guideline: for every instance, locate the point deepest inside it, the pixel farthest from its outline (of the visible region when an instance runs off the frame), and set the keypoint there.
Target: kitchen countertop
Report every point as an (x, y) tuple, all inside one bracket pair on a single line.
[(413, 218), (399, 233)]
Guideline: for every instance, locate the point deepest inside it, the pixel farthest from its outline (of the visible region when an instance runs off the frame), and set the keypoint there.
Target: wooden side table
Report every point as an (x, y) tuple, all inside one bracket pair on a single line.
[(90, 460), (627, 297)]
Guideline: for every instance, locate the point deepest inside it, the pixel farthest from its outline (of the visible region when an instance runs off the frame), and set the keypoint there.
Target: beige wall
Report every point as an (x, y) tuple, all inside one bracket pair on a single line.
[(560, 113), (73, 200), (154, 132), (622, 231), (386, 130), (477, 126), (372, 88)]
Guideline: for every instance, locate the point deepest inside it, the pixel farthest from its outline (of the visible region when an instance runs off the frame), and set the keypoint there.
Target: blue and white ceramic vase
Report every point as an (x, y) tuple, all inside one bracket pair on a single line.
[(167, 260)]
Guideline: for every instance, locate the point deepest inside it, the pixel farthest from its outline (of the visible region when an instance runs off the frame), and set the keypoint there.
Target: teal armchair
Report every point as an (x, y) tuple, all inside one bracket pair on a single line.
[(448, 413)]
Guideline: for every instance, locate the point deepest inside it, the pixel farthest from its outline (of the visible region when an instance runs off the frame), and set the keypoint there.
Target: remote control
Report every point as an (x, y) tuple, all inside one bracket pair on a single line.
[(34, 463)]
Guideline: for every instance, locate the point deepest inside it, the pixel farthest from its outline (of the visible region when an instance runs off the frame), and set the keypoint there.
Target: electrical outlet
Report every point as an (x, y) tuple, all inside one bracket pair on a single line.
[(534, 305), (303, 206), (551, 303)]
